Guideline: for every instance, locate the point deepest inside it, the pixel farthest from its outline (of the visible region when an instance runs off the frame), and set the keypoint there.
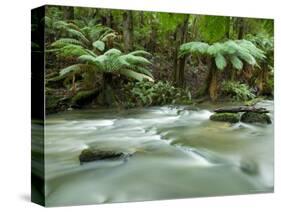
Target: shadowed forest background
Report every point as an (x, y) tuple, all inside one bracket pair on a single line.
[(119, 58)]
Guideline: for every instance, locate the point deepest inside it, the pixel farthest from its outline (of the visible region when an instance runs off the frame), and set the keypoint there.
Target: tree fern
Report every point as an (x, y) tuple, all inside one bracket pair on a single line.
[(236, 52), (113, 61)]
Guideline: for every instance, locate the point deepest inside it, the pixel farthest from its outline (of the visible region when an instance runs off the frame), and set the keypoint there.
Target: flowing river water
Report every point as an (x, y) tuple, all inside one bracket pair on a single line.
[(176, 153)]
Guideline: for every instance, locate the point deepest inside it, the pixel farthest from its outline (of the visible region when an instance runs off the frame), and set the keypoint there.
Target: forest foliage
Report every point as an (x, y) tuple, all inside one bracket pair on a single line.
[(103, 57)]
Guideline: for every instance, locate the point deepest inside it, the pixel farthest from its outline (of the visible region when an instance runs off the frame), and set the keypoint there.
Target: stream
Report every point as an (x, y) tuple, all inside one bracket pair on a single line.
[(176, 153)]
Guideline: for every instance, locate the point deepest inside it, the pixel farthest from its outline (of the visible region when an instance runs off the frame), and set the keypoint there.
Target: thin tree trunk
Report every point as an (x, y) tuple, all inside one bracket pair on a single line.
[(175, 66), (241, 28), (109, 20), (68, 13), (228, 26), (183, 29), (128, 31)]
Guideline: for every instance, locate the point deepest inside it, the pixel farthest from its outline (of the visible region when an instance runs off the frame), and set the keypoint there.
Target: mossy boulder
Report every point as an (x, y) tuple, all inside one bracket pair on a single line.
[(225, 117), (252, 117), (89, 155), (52, 103), (84, 97)]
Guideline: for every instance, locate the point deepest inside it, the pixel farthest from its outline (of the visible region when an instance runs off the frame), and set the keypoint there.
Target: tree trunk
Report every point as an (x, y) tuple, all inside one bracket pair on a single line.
[(213, 86), (128, 31), (182, 31), (109, 20), (68, 13), (241, 28), (152, 43), (228, 26), (175, 66), (141, 18)]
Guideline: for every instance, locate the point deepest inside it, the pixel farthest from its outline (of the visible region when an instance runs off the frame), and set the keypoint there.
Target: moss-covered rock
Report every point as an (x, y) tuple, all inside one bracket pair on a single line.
[(84, 97), (225, 117), (52, 103), (252, 117), (89, 155)]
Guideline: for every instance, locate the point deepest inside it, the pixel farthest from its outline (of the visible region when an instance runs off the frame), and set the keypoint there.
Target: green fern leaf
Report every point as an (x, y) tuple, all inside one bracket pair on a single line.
[(100, 45), (220, 61)]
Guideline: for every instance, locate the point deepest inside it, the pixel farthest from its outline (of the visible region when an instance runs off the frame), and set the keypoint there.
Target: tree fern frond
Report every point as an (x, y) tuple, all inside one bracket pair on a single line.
[(220, 61), (236, 62), (143, 70), (140, 53), (77, 68), (194, 47), (65, 41), (79, 35), (87, 58), (134, 60), (108, 36), (135, 75), (72, 50), (90, 52), (100, 45), (215, 49), (113, 51)]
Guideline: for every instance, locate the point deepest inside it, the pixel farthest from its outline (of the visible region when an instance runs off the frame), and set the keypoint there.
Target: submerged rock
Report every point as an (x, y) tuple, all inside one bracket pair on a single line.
[(249, 167), (252, 117), (89, 155), (225, 117)]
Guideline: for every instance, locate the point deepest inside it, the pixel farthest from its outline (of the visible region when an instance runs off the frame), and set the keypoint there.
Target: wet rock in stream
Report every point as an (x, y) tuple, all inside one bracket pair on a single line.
[(252, 117), (249, 167), (90, 155), (225, 117)]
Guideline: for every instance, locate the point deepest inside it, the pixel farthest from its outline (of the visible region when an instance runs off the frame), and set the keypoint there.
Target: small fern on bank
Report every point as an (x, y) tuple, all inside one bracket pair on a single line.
[(237, 91)]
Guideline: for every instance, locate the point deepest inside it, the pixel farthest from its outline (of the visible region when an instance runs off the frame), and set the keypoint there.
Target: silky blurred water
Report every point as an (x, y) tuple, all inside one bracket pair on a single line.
[(177, 153)]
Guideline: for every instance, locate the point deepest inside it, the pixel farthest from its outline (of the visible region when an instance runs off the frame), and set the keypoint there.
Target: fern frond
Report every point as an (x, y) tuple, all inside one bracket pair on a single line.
[(108, 36), (113, 51), (194, 48), (135, 60), (72, 50), (65, 41), (220, 61), (77, 68), (87, 58), (100, 45), (236, 62), (135, 75), (140, 53), (143, 70), (79, 35)]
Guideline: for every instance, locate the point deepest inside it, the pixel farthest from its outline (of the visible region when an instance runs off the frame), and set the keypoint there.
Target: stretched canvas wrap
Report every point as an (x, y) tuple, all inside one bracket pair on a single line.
[(137, 105)]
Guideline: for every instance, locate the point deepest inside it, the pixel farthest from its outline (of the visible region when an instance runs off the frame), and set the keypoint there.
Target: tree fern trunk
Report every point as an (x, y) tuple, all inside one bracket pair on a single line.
[(107, 92), (213, 86)]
